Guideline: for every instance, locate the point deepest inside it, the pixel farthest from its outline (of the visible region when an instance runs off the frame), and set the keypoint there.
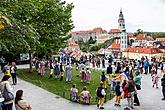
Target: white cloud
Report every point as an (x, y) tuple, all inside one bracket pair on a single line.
[(145, 14)]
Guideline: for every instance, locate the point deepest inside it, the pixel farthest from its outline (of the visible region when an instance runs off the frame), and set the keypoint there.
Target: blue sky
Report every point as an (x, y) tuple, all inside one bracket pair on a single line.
[(148, 15)]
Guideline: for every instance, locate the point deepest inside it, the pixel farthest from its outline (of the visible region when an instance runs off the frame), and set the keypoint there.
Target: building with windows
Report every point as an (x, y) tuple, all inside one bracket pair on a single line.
[(139, 52), (114, 33), (123, 35), (86, 34), (101, 38)]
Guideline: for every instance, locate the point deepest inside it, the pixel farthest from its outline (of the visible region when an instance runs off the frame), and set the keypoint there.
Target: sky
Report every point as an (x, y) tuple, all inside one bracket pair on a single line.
[(148, 15)]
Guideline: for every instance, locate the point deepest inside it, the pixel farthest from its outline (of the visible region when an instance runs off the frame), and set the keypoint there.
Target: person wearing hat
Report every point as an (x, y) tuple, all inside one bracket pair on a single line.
[(101, 96)]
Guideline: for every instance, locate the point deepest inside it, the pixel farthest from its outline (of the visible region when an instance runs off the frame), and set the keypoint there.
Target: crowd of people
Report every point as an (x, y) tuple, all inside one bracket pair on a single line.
[(121, 76), (8, 99)]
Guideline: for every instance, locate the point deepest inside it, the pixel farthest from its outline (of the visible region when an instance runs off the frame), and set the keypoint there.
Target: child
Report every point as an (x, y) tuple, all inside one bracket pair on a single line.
[(118, 91), (101, 96), (85, 95), (155, 79), (88, 75), (103, 79), (74, 94), (83, 75)]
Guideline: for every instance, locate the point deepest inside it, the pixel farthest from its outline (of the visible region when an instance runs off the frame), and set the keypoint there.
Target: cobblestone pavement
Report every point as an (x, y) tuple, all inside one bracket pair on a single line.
[(40, 99)]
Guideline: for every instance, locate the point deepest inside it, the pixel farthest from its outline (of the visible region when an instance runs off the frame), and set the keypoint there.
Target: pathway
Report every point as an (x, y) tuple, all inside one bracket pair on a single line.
[(41, 99)]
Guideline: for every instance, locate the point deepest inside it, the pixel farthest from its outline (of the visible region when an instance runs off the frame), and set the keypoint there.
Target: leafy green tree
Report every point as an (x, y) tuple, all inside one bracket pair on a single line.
[(35, 26), (91, 41), (139, 31)]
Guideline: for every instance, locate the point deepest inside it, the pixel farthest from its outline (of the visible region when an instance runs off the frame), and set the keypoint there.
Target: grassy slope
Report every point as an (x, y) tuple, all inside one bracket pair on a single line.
[(61, 87)]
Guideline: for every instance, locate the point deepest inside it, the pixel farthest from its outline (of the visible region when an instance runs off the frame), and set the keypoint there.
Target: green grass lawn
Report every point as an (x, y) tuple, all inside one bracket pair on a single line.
[(62, 88)]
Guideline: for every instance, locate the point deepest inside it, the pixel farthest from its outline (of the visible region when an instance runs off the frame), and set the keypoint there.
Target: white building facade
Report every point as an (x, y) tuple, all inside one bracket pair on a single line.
[(123, 35)]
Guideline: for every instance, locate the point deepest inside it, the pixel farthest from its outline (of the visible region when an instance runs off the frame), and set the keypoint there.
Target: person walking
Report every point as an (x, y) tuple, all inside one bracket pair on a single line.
[(6, 88), (163, 86), (137, 80), (20, 103), (131, 91), (118, 91), (101, 96), (146, 65), (13, 73)]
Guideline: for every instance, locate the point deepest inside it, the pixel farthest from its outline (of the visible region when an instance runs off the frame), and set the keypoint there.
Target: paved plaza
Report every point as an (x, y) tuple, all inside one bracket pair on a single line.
[(41, 99)]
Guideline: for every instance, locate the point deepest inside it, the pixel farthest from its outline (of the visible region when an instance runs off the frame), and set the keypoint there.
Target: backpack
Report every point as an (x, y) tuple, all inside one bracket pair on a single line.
[(99, 94)]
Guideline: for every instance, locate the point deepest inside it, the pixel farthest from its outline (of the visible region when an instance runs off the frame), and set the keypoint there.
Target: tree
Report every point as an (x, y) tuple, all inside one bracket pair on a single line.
[(36, 26), (91, 41), (139, 31)]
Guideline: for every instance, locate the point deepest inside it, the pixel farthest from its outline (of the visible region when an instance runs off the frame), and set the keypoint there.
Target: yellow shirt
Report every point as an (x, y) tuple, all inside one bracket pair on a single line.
[(7, 72), (62, 73), (118, 76)]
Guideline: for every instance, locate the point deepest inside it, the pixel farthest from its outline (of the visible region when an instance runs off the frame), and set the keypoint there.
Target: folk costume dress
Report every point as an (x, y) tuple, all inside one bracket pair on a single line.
[(42, 65)]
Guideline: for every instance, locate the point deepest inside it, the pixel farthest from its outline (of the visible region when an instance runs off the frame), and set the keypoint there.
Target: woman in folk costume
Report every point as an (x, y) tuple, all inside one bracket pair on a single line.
[(68, 72), (83, 75), (88, 75), (57, 70), (155, 79), (42, 65), (93, 63)]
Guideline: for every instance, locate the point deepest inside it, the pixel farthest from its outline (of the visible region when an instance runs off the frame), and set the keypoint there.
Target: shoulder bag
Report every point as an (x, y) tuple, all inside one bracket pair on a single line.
[(8, 96)]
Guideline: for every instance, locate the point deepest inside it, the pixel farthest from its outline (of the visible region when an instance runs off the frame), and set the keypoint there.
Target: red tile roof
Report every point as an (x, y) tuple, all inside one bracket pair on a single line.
[(144, 37), (115, 44), (114, 31), (144, 50)]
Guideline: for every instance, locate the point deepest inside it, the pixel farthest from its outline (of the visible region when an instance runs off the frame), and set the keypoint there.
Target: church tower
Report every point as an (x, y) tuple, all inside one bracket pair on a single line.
[(123, 35)]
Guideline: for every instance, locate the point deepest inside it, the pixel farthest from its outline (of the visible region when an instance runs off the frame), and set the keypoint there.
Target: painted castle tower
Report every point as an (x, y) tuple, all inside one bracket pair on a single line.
[(123, 35)]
